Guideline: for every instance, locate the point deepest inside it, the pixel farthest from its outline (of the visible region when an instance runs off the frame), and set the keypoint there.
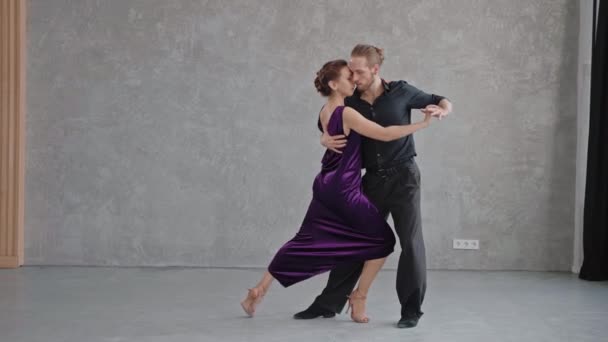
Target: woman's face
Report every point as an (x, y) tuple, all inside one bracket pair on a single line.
[(344, 84)]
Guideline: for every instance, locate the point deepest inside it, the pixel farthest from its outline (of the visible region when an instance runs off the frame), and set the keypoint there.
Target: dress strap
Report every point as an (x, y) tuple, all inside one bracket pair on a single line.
[(339, 121)]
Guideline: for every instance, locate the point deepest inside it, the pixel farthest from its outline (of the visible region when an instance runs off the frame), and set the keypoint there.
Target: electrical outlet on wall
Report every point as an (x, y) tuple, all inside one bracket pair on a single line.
[(465, 244)]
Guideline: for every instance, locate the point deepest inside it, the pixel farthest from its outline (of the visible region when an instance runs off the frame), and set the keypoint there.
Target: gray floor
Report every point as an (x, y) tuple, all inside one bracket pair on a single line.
[(175, 304)]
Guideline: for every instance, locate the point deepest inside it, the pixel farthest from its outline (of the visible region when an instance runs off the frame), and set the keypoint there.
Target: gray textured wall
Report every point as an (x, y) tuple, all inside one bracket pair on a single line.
[(183, 132)]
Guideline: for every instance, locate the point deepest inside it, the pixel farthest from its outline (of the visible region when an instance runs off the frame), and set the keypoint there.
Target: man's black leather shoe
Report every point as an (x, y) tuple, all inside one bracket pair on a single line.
[(314, 311), (407, 322)]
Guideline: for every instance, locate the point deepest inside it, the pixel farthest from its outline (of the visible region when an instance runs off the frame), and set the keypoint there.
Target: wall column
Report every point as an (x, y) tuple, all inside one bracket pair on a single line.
[(12, 130)]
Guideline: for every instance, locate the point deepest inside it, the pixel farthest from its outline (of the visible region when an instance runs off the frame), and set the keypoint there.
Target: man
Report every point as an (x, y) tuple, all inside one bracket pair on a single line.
[(391, 182)]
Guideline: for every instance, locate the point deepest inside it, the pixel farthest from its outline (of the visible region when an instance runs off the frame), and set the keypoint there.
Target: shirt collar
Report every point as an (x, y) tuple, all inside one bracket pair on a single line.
[(386, 85)]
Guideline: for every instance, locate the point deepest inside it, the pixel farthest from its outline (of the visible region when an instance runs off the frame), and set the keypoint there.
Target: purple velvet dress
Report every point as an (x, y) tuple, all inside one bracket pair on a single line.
[(341, 225)]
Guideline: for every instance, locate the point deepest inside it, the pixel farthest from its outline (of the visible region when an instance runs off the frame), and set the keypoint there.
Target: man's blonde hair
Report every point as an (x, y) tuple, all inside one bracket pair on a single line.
[(374, 55)]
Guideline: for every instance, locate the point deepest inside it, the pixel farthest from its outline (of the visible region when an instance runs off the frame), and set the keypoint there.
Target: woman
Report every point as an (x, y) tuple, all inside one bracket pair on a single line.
[(341, 225)]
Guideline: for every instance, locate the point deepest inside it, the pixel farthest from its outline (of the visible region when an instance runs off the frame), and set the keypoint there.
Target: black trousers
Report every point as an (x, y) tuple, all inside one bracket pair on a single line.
[(399, 195)]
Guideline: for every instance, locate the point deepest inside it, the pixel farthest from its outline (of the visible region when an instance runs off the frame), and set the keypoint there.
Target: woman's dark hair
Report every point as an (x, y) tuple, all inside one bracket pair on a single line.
[(329, 72)]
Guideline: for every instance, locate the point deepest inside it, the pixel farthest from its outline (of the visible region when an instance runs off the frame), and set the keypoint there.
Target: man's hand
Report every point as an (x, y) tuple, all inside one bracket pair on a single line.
[(333, 142), (435, 111)]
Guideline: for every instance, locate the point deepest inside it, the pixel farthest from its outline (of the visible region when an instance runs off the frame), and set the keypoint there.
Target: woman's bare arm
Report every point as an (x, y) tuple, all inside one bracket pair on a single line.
[(357, 122)]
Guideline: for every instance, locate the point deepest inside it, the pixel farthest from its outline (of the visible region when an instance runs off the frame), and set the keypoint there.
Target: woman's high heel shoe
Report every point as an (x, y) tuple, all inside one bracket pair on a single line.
[(357, 315), (254, 297)]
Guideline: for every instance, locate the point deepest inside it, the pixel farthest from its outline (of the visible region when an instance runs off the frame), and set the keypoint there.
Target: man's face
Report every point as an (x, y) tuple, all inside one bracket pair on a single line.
[(363, 75)]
